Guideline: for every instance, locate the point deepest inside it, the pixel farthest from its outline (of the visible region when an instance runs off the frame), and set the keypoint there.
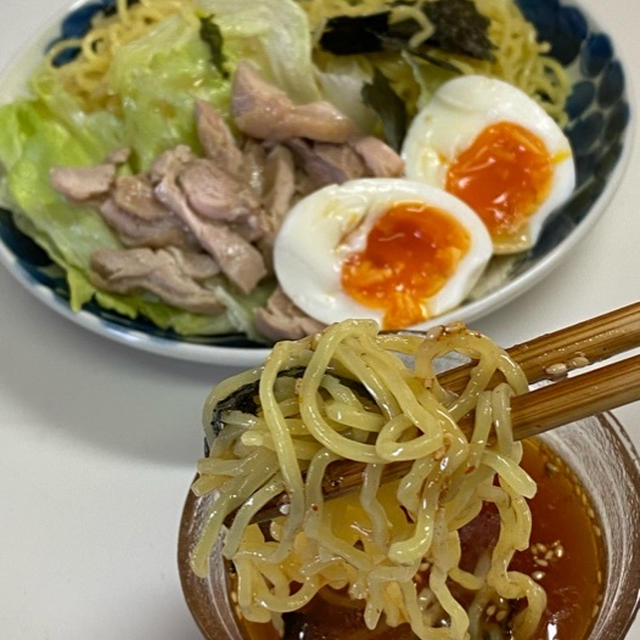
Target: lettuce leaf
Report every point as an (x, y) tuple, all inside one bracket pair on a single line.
[(157, 77), (274, 36)]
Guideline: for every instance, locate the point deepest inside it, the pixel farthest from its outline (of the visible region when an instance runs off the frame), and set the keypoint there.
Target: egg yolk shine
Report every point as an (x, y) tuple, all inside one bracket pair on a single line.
[(503, 176), (412, 250)]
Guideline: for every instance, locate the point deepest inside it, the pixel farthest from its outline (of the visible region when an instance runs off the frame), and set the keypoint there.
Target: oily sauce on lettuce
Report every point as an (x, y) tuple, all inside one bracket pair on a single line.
[(565, 556)]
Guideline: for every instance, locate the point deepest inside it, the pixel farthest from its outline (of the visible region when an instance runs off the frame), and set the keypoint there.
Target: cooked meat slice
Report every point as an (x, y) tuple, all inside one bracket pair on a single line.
[(240, 261), (136, 232), (170, 275), (134, 194), (215, 194), (195, 264), (170, 162), (381, 160), (119, 156), (81, 184), (280, 319), (327, 163), (279, 185), (140, 219), (254, 156), (265, 112), (216, 138), (251, 228)]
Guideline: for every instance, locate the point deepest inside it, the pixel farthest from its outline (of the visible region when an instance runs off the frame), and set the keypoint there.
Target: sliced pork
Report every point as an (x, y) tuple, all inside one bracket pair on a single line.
[(281, 319), (170, 162), (327, 163), (216, 138), (263, 111), (175, 277), (214, 193), (81, 184), (140, 219), (277, 190), (254, 156), (240, 261), (380, 159), (279, 184)]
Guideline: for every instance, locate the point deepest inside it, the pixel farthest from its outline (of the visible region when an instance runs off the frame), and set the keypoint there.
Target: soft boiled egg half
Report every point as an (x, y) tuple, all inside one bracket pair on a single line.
[(492, 146), (391, 249)]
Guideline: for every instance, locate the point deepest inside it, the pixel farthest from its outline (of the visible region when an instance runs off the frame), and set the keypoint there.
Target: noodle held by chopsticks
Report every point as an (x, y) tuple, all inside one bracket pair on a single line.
[(350, 393)]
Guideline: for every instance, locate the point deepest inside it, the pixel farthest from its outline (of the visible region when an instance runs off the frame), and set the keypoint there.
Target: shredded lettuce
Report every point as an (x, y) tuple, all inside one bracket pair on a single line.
[(158, 77)]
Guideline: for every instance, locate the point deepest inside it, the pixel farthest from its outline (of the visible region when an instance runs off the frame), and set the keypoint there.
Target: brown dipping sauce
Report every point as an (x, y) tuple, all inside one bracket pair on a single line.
[(565, 556)]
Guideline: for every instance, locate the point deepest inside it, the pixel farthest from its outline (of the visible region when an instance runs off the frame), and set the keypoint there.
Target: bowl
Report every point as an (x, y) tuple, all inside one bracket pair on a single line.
[(599, 452), (599, 128)]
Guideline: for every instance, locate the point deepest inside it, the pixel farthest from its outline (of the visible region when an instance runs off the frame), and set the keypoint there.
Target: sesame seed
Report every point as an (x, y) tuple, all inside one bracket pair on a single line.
[(559, 552), (557, 370), (538, 575), (501, 615), (579, 361), (435, 332), (541, 563), (491, 609), (455, 327)]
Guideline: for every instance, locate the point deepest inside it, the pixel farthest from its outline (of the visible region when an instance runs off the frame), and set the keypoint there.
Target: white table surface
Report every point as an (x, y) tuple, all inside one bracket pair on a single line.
[(98, 441)]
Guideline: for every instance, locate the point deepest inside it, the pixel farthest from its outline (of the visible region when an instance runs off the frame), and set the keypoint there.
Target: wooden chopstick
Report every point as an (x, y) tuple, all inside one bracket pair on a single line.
[(575, 398), (580, 344), (545, 408)]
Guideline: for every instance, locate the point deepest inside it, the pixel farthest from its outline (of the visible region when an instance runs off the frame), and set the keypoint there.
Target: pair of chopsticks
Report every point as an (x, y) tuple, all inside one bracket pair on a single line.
[(548, 357)]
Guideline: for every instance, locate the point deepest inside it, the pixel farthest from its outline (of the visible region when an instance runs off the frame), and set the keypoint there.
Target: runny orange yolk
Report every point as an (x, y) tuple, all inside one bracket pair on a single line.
[(503, 176), (412, 250)]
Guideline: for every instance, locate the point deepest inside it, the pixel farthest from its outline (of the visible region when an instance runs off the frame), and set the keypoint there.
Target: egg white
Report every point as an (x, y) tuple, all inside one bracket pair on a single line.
[(458, 112), (324, 228)]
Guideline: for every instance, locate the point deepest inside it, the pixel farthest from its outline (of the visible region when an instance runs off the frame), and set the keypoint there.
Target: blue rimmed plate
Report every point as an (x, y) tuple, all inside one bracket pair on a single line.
[(599, 129)]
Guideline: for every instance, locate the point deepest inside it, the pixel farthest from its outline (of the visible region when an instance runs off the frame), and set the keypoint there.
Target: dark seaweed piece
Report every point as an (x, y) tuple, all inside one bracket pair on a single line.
[(381, 97), (244, 399), (212, 36), (346, 35), (459, 28)]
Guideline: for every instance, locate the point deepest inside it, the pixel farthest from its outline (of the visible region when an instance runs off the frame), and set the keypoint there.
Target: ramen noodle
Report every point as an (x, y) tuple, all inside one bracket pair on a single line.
[(351, 393)]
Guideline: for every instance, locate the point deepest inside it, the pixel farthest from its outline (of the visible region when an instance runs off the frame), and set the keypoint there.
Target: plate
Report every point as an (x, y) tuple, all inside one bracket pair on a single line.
[(599, 129)]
